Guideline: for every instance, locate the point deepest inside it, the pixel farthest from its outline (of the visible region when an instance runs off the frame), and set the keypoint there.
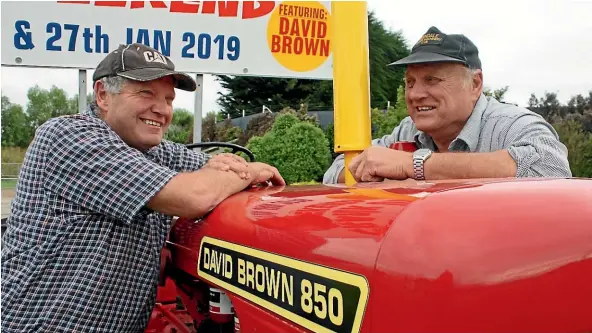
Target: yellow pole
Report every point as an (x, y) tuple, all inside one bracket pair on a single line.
[(351, 81)]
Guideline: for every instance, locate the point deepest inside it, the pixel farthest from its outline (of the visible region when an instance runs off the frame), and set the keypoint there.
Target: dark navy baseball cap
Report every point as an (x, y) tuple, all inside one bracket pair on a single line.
[(436, 46)]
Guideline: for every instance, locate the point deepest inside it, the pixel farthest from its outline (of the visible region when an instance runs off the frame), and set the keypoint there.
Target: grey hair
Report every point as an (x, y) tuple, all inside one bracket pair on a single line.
[(468, 79), (112, 85)]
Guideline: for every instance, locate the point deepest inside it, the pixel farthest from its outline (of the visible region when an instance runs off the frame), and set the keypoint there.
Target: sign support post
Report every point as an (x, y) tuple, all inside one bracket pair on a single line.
[(351, 81), (81, 90), (197, 109)]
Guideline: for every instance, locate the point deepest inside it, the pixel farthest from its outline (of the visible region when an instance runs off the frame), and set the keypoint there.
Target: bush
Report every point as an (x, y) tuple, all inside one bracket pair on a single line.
[(330, 135), (579, 146), (177, 134), (261, 124), (383, 123), (257, 126), (227, 132), (298, 149), (302, 114), (208, 128)]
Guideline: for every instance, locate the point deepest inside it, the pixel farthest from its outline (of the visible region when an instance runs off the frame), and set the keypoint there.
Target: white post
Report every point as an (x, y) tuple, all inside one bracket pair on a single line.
[(81, 90), (197, 111)]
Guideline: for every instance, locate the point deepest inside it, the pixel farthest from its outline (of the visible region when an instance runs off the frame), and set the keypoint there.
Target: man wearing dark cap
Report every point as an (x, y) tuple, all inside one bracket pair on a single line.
[(459, 132), (95, 198)]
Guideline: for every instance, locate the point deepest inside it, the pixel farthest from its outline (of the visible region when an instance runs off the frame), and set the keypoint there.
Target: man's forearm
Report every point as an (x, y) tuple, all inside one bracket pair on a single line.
[(497, 164), (341, 177), (192, 194)]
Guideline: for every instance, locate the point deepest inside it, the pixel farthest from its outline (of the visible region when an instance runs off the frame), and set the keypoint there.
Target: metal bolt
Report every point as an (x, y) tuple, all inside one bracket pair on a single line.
[(18, 60)]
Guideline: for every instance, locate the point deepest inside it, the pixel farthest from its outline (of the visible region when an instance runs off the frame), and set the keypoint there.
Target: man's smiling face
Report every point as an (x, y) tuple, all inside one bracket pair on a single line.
[(142, 112), (440, 96)]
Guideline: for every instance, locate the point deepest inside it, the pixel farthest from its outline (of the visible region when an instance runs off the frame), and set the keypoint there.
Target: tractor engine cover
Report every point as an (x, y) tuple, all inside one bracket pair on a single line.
[(510, 255)]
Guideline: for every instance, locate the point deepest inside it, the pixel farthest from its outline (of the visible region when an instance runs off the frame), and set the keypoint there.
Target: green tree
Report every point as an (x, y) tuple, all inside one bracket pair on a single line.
[(383, 123), (498, 94), (73, 102), (208, 127), (257, 126), (181, 126), (385, 47), (46, 104), (549, 106), (251, 93), (579, 146), (227, 132), (298, 149), (16, 131)]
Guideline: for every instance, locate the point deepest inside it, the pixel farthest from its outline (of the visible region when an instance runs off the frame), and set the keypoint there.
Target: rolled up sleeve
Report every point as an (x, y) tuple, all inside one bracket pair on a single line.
[(331, 176), (90, 166), (179, 158), (535, 147)]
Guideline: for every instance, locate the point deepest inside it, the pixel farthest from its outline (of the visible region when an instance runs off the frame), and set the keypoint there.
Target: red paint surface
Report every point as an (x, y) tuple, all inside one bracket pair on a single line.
[(453, 256)]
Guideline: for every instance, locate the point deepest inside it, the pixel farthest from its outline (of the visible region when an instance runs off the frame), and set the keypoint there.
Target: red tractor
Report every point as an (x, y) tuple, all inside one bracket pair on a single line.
[(449, 256), (489, 255)]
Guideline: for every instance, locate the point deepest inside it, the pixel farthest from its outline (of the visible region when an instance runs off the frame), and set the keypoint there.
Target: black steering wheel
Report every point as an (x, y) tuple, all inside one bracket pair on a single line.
[(233, 146)]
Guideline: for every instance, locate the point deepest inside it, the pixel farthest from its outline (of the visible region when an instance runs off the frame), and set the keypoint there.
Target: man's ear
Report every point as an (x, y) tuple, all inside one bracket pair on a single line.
[(101, 96), (478, 82)]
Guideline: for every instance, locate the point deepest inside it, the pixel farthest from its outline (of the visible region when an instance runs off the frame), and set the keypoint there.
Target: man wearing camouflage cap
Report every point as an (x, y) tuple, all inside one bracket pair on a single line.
[(459, 132), (95, 200)]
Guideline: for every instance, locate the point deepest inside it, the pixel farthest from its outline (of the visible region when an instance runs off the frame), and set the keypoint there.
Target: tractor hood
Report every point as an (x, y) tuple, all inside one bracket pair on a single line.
[(461, 252)]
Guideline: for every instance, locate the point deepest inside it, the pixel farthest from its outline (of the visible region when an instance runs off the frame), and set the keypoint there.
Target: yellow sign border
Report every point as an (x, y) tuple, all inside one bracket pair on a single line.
[(322, 271)]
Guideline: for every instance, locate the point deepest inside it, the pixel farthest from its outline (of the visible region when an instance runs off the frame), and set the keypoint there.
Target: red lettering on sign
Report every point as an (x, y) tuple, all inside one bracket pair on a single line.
[(295, 28), (249, 10), (208, 7), (275, 43), (111, 3), (284, 26), (322, 30), (287, 45), (225, 8), (299, 45), (183, 7), (228, 8), (154, 4)]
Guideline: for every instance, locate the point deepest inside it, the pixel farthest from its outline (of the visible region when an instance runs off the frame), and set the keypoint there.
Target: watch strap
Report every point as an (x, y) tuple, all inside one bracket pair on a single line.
[(419, 159)]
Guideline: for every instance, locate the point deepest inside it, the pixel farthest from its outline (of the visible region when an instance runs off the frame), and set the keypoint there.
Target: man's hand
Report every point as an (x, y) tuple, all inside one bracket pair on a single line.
[(377, 163), (229, 162), (262, 173)]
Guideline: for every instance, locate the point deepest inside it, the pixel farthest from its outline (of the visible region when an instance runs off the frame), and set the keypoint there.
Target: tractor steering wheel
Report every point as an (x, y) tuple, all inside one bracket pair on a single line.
[(233, 146)]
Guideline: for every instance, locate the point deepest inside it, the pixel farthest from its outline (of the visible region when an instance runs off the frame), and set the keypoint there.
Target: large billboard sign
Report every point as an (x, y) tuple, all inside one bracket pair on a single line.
[(259, 38)]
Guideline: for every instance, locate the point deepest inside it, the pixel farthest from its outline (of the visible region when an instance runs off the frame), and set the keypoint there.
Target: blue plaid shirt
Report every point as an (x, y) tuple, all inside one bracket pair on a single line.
[(82, 251)]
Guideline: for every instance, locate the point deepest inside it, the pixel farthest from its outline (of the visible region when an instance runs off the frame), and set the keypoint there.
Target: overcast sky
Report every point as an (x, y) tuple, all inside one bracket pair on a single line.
[(530, 46)]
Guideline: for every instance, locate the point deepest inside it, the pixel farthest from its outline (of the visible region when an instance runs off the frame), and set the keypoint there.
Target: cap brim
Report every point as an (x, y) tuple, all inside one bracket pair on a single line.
[(424, 58), (182, 80)]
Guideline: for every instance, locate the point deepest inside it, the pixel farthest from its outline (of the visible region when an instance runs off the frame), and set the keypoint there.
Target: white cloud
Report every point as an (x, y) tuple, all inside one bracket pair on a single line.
[(529, 45)]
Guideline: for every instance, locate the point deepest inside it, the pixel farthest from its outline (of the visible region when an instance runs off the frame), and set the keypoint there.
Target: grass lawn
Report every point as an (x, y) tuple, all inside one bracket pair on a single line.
[(8, 184)]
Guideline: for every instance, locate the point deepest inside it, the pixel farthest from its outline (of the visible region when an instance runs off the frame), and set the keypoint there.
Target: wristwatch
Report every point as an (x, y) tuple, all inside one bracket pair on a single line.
[(419, 158)]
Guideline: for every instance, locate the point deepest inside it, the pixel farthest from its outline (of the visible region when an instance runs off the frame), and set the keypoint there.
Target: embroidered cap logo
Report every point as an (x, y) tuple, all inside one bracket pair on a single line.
[(430, 39), (151, 56)]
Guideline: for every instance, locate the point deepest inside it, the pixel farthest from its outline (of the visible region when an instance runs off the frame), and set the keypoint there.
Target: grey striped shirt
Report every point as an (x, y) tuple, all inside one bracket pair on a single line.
[(531, 141)]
